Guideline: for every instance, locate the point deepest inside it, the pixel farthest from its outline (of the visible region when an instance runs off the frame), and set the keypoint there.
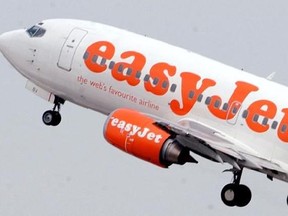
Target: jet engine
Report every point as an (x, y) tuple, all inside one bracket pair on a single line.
[(139, 135)]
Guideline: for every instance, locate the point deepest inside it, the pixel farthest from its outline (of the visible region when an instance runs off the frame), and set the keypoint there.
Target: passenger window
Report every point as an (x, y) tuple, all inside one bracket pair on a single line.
[(155, 81), (164, 84), (225, 106), (86, 55), (129, 72), (94, 59), (111, 65), (284, 128), (245, 114), (146, 78), (191, 94), (265, 121), (274, 125), (120, 68), (200, 97), (173, 88), (103, 61), (138, 74), (255, 118), (217, 104), (208, 100), (234, 110)]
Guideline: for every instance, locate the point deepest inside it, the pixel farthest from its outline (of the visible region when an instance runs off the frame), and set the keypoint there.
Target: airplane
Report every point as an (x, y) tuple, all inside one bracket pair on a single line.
[(164, 104)]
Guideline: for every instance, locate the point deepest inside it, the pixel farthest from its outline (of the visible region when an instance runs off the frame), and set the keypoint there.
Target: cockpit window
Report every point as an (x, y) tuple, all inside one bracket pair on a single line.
[(36, 31)]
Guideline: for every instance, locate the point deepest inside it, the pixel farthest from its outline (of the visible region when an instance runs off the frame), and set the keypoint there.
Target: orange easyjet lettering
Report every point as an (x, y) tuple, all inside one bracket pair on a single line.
[(157, 82), (282, 129), (137, 64), (262, 108), (189, 84), (158, 72), (102, 49), (241, 91)]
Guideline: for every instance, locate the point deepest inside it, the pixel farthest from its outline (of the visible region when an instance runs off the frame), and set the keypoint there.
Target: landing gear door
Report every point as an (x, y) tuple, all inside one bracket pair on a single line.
[(69, 48)]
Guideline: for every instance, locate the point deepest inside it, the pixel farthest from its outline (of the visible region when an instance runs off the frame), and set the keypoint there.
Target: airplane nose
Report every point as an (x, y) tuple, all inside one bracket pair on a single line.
[(11, 46), (8, 41), (2, 42)]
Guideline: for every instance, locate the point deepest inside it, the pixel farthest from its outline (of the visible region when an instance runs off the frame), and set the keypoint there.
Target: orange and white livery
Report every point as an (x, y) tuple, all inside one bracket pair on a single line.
[(164, 103)]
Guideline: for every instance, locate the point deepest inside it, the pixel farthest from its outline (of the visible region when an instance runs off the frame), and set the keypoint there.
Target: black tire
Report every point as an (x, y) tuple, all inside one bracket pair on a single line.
[(47, 117), (56, 118), (229, 195), (51, 118), (244, 195)]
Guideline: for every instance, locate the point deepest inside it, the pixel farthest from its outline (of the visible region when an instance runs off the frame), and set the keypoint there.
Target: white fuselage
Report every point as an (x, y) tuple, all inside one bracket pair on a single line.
[(180, 84)]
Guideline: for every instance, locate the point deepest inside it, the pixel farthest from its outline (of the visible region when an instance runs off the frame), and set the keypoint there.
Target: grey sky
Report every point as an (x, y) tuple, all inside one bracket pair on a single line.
[(71, 170)]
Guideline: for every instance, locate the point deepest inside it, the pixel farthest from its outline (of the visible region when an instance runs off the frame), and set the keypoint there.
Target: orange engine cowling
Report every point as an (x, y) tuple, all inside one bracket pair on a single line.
[(137, 134)]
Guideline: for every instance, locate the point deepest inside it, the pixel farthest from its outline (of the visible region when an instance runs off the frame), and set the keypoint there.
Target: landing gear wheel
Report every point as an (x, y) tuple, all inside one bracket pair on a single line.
[(51, 118), (228, 195), (244, 195), (56, 118), (236, 194), (47, 117)]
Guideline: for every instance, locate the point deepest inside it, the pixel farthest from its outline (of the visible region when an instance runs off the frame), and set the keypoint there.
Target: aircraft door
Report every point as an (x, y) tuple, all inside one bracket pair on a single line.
[(234, 111), (69, 48)]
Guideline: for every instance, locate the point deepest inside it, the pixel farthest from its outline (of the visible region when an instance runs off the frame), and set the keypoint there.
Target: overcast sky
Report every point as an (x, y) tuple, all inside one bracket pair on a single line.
[(71, 170)]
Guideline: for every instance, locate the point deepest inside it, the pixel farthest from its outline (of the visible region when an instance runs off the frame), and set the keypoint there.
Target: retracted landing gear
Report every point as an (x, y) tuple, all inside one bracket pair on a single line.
[(53, 117), (236, 194)]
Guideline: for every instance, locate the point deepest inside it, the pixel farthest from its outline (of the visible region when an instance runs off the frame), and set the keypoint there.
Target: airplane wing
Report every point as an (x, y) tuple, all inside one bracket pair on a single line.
[(212, 144)]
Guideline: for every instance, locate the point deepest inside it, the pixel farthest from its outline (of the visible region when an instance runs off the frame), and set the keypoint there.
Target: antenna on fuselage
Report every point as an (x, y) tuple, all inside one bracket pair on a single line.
[(271, 76)]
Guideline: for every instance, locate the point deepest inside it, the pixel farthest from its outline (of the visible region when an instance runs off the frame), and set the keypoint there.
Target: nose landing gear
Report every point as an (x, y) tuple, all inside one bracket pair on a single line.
[(53, 117), (236, 194)]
